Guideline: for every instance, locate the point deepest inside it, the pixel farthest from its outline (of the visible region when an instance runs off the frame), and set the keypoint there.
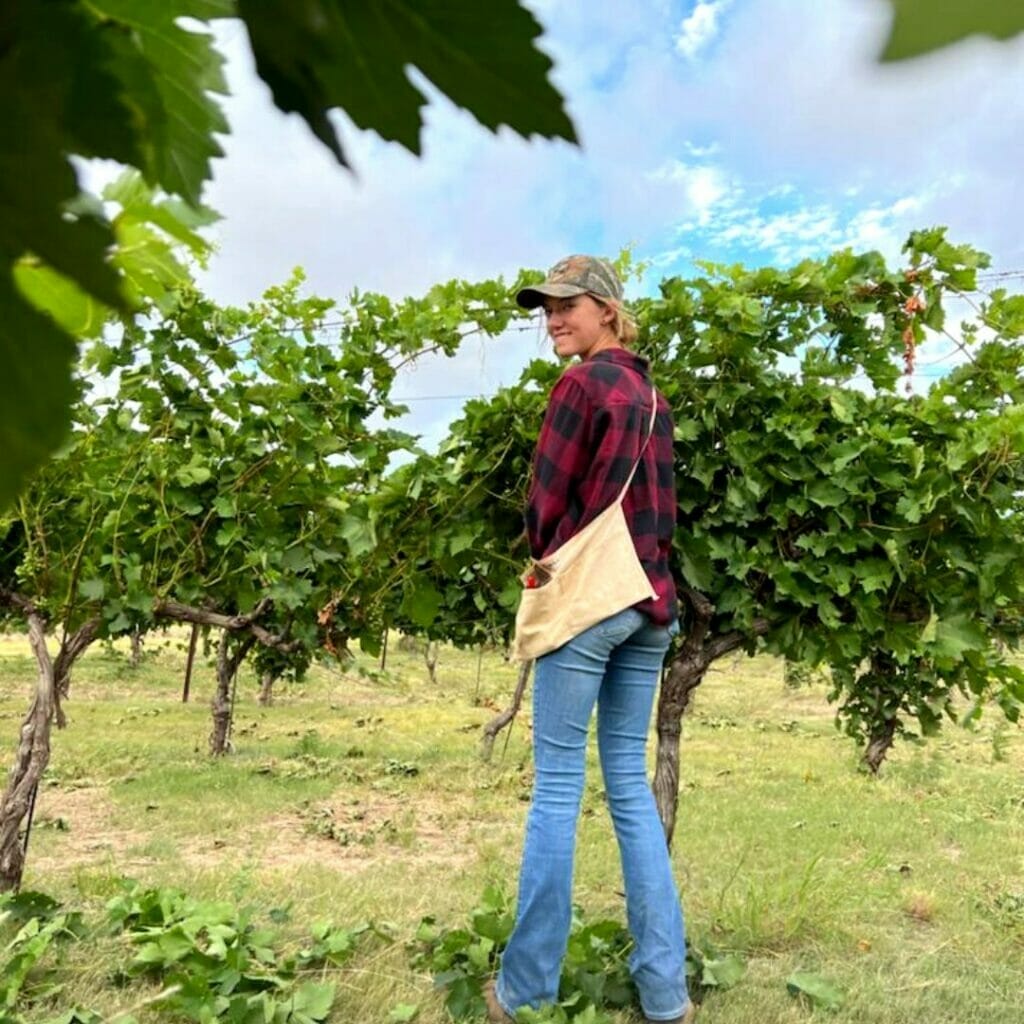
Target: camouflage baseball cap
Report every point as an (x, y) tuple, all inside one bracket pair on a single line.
[(575, 275)]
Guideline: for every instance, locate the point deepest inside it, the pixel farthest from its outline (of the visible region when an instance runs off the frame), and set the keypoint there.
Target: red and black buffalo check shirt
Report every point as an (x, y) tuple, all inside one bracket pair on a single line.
[(593, 429)]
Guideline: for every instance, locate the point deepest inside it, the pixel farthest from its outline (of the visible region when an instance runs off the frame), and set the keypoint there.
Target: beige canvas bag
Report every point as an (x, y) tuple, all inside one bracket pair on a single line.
[(595, 574)]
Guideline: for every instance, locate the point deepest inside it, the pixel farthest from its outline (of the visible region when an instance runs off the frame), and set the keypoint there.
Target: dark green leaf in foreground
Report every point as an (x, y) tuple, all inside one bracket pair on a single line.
[(169, 72), (59, 97), (920, 26), (320, 54), (32, 391), (20, 906), (119, 80), (422, 602), (136, 81), (36, 390)]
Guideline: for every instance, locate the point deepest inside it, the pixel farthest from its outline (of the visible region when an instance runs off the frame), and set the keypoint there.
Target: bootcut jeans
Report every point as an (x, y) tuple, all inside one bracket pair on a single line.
[(614, 665)]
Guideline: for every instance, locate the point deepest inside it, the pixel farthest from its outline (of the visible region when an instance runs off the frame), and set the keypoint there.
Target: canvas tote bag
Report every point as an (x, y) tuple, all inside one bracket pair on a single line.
[(593, 575)]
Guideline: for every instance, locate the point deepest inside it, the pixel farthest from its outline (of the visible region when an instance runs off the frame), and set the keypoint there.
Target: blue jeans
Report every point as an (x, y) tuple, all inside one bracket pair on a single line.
[(614, 665)]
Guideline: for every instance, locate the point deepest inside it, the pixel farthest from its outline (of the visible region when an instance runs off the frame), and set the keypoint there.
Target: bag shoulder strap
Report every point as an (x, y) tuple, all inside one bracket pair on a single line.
[(643, 447)]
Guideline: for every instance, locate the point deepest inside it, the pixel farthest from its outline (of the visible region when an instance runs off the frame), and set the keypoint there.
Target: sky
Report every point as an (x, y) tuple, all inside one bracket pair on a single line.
[(758, 131)]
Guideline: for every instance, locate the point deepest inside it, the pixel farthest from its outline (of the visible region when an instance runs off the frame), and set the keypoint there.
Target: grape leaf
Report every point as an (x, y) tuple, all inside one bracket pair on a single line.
[(421, 603), (75, 311), (321, 54), (134, 81), (818, 990), (920, 26), (65, 79), (58, 96), (31, 390), (168, 71)]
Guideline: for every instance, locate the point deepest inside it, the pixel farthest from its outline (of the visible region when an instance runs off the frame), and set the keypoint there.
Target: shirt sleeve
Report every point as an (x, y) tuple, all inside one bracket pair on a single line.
[(560, 462)]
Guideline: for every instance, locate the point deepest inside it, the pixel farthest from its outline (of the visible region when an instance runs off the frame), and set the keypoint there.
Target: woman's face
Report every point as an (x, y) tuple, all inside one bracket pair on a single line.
[(579, 326)]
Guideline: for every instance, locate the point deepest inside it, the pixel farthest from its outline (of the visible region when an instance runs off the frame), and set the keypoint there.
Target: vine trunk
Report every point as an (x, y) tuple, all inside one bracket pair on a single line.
[(266, 697), (700, 647), (222, 705), (33, 755)]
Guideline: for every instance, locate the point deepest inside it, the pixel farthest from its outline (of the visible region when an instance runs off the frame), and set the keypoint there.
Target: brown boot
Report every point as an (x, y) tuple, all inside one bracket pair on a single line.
[(495, 1011), (687, 1018)]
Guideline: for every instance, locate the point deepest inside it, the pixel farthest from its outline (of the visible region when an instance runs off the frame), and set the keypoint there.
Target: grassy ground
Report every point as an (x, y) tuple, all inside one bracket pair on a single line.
[(361, 796)]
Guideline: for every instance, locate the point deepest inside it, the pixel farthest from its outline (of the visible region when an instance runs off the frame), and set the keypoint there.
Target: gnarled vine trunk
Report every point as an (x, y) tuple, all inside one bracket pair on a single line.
[(430, 653), (684, 674), (882, 672), (52, 683), (222, 705), (136, 648), (266, 697), (31, 760), (879, 744), (228, 661), (682, 677)]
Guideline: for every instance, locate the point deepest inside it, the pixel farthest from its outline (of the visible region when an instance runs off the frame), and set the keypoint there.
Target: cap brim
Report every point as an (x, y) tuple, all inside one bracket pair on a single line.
[(534, 296)]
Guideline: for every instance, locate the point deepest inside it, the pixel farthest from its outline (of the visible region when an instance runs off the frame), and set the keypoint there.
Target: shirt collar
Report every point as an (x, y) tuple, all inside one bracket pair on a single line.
[(622, 357)]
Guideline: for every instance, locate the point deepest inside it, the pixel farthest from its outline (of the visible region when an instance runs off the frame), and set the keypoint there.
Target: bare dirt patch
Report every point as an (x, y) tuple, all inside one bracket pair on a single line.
[(348, 833), (73, 827)]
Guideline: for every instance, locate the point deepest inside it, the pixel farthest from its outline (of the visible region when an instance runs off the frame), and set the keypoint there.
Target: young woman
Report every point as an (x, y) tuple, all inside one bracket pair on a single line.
[(593, 431)]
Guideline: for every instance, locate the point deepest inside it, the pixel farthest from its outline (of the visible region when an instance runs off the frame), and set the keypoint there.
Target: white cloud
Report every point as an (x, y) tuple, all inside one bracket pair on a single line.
[(790, 98), (704, 187), (783, 139), (808, 226), (701, 152), (700, 27)]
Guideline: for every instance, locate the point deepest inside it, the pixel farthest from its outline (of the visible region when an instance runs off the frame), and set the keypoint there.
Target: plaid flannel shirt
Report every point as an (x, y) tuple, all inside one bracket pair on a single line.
[(593, 428)]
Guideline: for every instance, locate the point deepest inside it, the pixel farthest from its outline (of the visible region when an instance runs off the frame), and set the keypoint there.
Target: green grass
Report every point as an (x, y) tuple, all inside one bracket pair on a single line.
[(361, 796)]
